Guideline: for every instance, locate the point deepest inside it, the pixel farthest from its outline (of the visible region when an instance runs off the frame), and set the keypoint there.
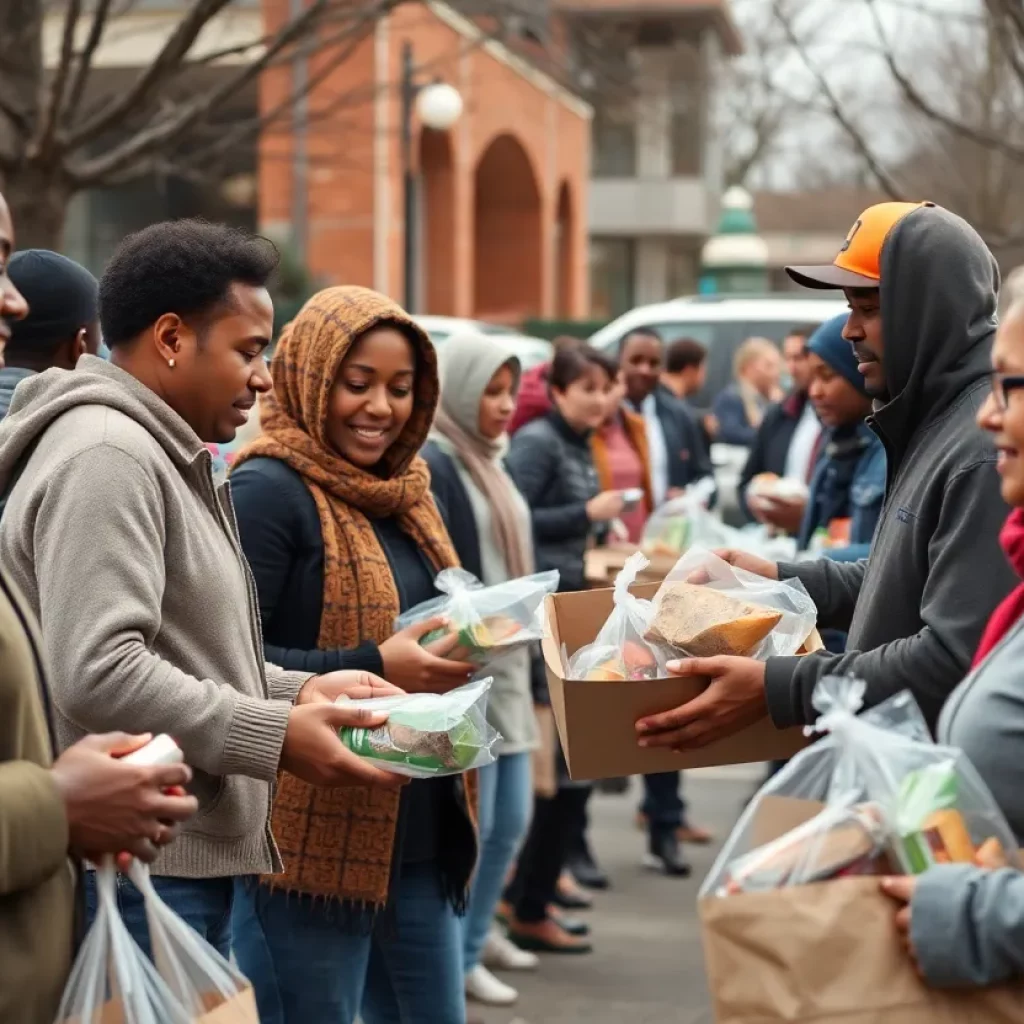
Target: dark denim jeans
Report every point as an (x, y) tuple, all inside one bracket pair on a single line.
[(663, 801), (306, 969), (202, 903)]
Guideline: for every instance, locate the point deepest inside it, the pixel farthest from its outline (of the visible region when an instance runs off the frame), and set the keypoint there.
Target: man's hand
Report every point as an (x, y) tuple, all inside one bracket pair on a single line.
[(734, 699), (751, 563), (313, 750), (326, 689), (419, 669), (902, 890), (783, 513), (114, 807)]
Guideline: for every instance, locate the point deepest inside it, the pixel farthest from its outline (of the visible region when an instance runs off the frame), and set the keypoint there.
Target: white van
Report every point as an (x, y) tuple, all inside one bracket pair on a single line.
[(721, 323)]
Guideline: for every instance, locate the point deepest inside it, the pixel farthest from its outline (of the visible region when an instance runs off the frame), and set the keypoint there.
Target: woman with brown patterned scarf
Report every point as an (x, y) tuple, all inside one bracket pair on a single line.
[(341, 531)]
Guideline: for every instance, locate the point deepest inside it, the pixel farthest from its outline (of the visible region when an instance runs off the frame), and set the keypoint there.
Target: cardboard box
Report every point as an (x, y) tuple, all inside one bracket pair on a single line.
[(603, 564), (597, 720)]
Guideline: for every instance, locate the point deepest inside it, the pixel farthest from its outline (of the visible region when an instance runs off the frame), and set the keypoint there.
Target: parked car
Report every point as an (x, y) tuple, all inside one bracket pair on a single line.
[(531, 351), (721, 323)]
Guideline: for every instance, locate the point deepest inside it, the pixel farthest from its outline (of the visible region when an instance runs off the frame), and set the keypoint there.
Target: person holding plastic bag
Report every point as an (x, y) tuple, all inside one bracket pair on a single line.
[(342, 533), (922, 288), (147, 615), (551, 463), (791, 911), (489, 523), (965, 926), (84, 804)]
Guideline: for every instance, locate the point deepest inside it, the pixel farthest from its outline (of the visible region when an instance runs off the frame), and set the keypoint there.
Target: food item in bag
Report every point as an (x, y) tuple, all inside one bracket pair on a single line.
[(478, 639), (992, 855), (486, 621), (635, 661), (704, 622), (839, 842), (427, 734)]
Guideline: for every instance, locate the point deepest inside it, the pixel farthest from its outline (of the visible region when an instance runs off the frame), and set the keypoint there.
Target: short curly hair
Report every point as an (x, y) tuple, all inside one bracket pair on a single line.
[(181, 266)]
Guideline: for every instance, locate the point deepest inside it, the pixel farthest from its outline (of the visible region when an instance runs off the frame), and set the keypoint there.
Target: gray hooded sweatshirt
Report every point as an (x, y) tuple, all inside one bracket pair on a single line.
[(916, 608), (128, 555)]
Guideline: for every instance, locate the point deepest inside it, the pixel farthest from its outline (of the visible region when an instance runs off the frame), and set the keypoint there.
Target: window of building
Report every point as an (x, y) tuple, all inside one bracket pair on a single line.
[(687, 118), (612, 277), (613, 144), (682, 271)]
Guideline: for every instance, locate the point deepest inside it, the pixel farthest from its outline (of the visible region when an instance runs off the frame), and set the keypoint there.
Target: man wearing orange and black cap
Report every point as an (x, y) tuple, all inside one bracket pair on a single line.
[(922, 289)]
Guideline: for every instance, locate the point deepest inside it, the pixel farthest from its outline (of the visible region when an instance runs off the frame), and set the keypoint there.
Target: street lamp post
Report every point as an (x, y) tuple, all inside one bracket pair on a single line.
[(438, 106)]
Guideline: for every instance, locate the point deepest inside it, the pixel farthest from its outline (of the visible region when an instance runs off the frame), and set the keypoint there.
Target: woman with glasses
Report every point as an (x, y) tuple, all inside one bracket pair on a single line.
[(963, 924)]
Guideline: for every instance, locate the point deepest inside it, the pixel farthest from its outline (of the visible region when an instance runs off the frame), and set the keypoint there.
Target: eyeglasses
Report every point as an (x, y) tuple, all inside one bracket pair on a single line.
[(1003, 385)]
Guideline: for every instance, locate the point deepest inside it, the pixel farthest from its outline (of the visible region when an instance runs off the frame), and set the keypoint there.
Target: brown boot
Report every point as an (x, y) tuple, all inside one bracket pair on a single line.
[(694, 834), (545, 937)]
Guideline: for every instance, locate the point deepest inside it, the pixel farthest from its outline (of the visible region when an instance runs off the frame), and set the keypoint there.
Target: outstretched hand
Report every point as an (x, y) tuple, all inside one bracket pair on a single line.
[(734, 699)]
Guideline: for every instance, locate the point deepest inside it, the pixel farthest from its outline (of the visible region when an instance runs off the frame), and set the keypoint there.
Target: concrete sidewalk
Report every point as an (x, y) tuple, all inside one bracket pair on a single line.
[(647, 967)]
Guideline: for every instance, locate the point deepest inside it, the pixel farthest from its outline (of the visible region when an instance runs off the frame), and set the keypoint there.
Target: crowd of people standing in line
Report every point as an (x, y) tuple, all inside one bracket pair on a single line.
[(233, 617)]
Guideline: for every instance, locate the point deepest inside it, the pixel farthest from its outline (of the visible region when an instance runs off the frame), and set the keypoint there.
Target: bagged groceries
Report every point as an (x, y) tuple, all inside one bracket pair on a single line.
[(668, 531), (686, 521), (427, 734), (795, 925), (706, 607), (619, 651), (781, 488), (488, 621), (114, 982)]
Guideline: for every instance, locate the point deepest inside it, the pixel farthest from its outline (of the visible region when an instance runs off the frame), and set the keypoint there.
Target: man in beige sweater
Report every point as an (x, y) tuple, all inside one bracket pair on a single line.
[(127, 551)]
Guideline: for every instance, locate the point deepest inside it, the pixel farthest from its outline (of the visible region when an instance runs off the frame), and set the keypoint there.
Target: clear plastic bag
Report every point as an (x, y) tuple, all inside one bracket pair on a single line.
[(427, 735), (619, 652), (763, 618), (198, 976), (670, 529), (112, 979), (489, 621), (874, 796)]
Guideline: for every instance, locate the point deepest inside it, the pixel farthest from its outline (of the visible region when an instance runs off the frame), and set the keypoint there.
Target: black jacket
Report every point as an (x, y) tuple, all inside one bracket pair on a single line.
[(915, 609), (552, 466), (771, 446), (455, 507), (688, 456)]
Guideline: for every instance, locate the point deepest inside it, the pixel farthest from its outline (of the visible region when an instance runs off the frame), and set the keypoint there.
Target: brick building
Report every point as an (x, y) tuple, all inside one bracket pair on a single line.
[(502, 230)]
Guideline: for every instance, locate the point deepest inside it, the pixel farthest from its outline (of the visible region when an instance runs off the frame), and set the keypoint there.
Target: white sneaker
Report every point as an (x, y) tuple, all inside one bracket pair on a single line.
[(502, 954), (484, 987)]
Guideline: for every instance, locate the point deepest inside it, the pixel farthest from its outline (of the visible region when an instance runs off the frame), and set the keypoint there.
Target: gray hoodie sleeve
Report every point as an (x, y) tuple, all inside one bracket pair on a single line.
[(833, 587), (967, 925), (962, 584), (101, 583)]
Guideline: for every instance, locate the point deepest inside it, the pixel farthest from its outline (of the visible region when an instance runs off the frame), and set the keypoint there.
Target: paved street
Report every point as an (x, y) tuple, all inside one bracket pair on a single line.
[(647, 967)]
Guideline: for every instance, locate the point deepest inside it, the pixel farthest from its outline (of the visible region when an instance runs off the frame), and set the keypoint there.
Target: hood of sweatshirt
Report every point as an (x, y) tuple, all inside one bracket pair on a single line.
[(938, 299), (10, 378), (47, 396)]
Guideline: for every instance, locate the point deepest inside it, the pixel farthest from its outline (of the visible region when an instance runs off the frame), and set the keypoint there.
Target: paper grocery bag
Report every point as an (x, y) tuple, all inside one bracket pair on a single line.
[(828, 954), (239, 1009)]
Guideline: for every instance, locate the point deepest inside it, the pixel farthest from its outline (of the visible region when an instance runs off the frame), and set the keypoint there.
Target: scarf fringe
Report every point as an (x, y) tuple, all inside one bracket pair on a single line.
[(361, 918)]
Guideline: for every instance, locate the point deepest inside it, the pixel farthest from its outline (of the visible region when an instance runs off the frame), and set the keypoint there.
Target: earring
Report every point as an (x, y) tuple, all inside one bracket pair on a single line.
[(170, 363)]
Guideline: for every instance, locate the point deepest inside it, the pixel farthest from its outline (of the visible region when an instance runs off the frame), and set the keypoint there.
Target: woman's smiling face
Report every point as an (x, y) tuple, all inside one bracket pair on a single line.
[(372, 398), (1002, 415)]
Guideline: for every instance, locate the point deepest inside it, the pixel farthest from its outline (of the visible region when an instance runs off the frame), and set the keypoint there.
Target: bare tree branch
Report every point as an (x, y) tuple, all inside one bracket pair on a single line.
[(835, 107), (916, 99), (174, 126), (99, 22), (169, 58), (51, 112)]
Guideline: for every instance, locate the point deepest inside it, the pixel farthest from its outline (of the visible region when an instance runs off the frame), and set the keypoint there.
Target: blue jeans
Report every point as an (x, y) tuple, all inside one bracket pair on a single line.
[(506, 800), (307, 969), (202, 903), (663, 801)]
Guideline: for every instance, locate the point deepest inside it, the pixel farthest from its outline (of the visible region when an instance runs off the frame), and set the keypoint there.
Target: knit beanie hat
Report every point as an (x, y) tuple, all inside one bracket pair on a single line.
[(62, 298), (829, 345)]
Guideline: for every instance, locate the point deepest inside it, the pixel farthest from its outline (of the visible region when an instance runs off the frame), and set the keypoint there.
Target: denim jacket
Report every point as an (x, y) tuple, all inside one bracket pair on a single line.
[(848, 483)]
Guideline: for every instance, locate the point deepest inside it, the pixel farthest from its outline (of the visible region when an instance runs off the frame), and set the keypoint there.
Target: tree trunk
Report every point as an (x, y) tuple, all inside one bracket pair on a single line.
[(37, 208)]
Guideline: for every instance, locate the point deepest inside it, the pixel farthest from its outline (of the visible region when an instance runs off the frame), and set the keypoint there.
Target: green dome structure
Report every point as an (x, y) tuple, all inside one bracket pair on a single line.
[(735, 259)]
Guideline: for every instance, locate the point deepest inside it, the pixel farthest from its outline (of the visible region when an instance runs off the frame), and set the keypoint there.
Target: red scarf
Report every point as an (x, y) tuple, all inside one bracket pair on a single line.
[(1006, 615)]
